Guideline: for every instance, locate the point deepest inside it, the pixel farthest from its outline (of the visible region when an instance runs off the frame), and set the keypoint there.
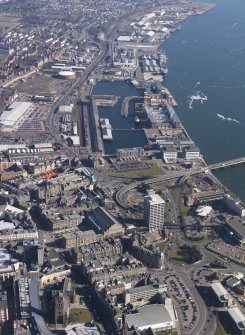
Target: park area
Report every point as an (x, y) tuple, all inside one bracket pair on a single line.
[(186, 254), (82, 315)]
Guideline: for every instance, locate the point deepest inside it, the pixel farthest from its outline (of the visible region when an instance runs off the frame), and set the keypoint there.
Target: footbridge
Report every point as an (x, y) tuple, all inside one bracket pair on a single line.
[(183, 175)]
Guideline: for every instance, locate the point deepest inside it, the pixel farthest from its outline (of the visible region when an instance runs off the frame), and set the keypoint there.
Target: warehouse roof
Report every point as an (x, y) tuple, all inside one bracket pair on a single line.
[(14, 112), (148, 316)]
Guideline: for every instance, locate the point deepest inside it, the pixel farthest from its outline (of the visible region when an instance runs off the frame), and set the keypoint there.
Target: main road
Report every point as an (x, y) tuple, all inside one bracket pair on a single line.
[(174, 175), (76, 84)]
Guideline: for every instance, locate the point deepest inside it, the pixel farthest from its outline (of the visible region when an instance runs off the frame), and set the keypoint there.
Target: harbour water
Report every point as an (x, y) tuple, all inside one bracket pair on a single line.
[(206, 62), (124, 135)]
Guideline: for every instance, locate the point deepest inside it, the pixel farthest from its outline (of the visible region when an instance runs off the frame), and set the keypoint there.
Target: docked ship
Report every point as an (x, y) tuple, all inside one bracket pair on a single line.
[(164, 70), (106, 129)]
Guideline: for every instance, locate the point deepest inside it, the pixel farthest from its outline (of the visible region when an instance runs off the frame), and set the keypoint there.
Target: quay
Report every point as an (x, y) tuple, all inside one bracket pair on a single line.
[(125, 103), (106, 100), (96, 140)]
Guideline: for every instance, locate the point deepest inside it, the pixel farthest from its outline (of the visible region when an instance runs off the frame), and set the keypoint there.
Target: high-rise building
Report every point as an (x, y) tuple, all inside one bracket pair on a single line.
[(154, 206)]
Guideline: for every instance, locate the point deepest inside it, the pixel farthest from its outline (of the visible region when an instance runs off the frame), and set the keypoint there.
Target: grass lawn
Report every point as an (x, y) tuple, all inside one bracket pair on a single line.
[(186, 254), (175, 193), (219, 329), (152, 172), (80, 315), (162, 244), (177, 255)]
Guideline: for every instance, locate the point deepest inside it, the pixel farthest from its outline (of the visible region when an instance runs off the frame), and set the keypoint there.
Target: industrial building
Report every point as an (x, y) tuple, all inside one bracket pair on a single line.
[(158, 317), (154, 207), (191, 153), (14, 115), (104, 223), (169, 154), (235, 205), (69, 75), (237, 230)]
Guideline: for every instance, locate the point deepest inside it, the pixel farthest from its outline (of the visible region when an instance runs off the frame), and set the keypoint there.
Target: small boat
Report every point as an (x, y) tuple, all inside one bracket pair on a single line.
[(136, 120)]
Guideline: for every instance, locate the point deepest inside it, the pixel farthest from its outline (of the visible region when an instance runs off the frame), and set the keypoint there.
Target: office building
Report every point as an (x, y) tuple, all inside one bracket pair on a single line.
[(154, 207)]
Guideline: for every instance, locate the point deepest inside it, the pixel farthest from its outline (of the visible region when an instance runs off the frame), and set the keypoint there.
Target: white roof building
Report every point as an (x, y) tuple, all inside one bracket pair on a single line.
[(157, 317), (82, 329), (124, 38), (13, 114), (6, 225), (65, 109), (203, 210)]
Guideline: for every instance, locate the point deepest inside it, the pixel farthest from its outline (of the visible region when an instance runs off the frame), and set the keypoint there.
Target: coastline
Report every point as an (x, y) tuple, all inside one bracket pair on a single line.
[(208, 7)]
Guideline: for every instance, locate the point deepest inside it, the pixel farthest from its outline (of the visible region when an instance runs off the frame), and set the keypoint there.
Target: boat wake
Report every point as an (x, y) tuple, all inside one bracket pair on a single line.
[(198, 83), (198, 96), (223, 118), (237, 50), (234, 25)]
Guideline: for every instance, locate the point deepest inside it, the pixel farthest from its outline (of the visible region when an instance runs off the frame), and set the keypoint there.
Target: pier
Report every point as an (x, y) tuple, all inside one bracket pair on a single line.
[(106, 100), (125, 103), (96, 140)]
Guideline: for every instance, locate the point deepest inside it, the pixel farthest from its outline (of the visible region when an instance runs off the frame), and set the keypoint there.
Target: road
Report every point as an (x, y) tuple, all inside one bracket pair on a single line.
[(62, 100), (174, 175)]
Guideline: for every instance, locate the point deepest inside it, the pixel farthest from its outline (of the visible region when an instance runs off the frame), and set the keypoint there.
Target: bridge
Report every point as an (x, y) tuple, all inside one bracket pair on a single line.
[(183, 226), (178, 174)]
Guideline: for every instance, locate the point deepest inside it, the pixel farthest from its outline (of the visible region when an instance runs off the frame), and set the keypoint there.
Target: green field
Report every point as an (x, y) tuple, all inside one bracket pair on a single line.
[(162, 244), (186, 254), (177, 255), (80, 315), (147, 173), (8, 21)]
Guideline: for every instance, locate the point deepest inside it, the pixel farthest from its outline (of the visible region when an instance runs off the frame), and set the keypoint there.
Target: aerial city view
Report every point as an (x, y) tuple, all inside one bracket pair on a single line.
[(122, 175)]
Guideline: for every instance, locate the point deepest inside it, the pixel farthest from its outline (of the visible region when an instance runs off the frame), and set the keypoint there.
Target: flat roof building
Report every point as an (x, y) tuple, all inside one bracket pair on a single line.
[(237, 319), (222, 297), (157, 317), (237, 229), (13, 114), (191, 153), (169, 154)]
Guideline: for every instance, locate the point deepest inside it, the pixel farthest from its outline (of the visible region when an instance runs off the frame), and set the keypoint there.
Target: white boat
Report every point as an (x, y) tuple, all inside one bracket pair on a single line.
[(136, 119)]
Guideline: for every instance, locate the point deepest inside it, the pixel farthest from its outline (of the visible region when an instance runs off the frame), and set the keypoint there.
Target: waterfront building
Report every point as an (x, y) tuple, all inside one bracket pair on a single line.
[(169, 154), (191, 153), (154, 207), (130, 153), (235, 205), (237, 230)]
